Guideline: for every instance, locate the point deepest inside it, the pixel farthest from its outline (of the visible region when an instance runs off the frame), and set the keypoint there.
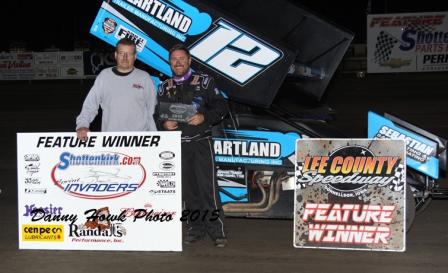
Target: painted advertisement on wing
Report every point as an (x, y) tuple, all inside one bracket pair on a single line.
[(242, 62), (350, 194), (115, 191), (407, 42), (421, 152)]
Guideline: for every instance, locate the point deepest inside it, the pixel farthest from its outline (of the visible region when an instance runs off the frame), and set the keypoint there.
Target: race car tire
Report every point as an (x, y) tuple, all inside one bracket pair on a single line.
[(410, 208)]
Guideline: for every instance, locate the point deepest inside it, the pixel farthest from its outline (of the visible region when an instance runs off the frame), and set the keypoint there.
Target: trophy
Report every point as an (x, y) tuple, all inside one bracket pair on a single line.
[(176, 111)]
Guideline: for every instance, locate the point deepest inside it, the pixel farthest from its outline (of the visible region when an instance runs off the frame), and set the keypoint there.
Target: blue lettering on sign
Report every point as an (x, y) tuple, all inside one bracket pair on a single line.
[(67, 159), (408, 42)]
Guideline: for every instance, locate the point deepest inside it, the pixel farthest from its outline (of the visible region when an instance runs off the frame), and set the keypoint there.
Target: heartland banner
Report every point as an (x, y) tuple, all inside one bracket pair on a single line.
[(407, 42), (350, 194), (116, 191)]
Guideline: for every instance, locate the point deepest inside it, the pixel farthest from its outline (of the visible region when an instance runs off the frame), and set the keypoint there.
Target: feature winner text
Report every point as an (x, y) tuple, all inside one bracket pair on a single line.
[(107, 141), (327, 223)]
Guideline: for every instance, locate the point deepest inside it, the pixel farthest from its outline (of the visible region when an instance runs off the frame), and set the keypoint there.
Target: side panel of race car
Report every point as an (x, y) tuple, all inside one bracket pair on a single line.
[(422, 152)]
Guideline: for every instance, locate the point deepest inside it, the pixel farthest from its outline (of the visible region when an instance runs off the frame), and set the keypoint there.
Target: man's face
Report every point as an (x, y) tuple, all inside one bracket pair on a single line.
[(125, 57), (179, 62)]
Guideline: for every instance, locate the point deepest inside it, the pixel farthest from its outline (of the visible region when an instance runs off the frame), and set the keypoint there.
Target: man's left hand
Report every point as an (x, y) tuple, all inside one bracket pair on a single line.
[(196, 119)]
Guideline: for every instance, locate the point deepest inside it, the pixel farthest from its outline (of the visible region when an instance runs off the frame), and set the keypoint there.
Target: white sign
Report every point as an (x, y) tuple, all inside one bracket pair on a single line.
[(407, 42), (350, 194), (113, 192), (42, 65)]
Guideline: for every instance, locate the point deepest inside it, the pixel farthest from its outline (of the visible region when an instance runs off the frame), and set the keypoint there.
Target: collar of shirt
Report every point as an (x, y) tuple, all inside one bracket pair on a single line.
[(182, 79)]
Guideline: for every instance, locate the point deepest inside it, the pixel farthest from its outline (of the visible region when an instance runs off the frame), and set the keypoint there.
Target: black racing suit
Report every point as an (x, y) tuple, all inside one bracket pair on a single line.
[(199, 184)]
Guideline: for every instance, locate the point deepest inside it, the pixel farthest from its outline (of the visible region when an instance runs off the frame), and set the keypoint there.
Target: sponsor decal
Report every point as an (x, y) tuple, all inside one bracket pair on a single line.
[(161, 191), (166, 155), (98, 175), (31, 157), (36, 191), (139, 41), (109, 25), (50, 209), (163, 174), (43, 233), (32, 168), (415, 149), (166, 165), (254, 147), (165, 183), (230, 174), (238, 56), (32, 181), (177, 18), (421, 152)]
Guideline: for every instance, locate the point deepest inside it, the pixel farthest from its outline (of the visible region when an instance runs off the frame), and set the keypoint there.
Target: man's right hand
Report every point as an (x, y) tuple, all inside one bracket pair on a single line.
[(170, 125), (82, 133)]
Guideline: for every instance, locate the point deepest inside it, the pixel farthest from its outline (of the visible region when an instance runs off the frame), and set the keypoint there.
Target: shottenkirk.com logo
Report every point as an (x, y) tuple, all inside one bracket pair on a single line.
[(98, 175)]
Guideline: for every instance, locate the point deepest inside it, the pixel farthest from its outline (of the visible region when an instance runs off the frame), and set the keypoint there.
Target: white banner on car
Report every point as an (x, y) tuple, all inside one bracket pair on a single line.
[(407, 42), (116, 191)]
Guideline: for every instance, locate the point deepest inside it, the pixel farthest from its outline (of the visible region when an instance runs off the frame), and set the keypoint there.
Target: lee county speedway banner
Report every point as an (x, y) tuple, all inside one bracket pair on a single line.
[(350, 194), (407, 42), (117, 191)]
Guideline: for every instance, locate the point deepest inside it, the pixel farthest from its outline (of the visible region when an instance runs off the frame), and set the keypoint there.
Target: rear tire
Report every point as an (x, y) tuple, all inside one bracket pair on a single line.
[(410, 208)]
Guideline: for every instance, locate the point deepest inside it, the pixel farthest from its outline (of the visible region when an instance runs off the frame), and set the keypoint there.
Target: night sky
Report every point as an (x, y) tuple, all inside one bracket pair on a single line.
[(41, 24)]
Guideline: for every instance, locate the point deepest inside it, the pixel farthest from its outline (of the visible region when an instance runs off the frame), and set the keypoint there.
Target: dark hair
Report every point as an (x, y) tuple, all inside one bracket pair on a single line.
[(179, 47), (128, 42)]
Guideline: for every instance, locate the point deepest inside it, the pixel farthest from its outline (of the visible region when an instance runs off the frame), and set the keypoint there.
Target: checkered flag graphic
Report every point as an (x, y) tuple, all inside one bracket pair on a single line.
[(383, 47), (416, 27), (398, 183), (299, 174)]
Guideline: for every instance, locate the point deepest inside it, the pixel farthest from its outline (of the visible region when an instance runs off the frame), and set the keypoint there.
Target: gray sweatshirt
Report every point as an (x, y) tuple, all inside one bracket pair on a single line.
[(127, 102)]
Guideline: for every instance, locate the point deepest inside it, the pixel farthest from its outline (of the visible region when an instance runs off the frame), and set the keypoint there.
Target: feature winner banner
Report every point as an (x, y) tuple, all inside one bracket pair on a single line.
[(407, 42), (116, 191), (350, 194)]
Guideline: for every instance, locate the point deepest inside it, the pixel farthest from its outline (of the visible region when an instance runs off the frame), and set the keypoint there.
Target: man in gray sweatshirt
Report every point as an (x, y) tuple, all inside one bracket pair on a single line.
[(125, 93)]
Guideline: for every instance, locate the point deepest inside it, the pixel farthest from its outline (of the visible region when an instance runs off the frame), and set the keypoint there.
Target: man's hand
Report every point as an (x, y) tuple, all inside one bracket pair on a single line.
[(82, 133), (170, 125), (196, 119)]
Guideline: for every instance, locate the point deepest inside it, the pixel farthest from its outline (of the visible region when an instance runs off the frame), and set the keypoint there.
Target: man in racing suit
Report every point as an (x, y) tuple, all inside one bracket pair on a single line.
[(203, 209)]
